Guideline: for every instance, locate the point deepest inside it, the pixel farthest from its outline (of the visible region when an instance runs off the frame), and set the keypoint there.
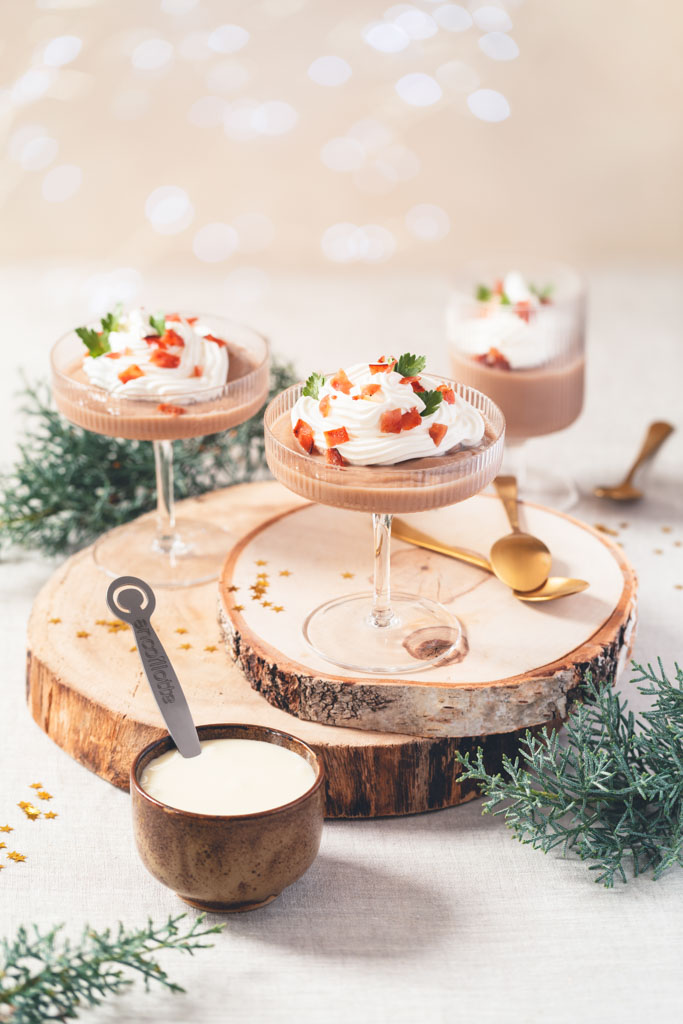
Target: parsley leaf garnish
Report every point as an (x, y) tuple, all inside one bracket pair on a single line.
[(410, 366), (504, 300), (97, 342), (313, 385), (432, 401), (541, 293), (482, 293), (158, 324)]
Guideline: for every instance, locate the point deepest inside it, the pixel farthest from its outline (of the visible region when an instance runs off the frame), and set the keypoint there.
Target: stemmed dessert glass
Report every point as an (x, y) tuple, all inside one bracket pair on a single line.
[(381, 632), (168, 551), (539, 398)]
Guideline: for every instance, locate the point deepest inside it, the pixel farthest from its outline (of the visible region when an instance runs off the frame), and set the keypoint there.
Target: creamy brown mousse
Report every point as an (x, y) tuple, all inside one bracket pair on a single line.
[(411, 486), (537, 400), (155, 419)]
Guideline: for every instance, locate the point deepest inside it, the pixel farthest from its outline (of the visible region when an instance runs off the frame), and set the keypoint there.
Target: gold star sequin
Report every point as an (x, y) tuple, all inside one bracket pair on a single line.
[(347, 575), (50, 814), (132, 649), (29, 810), (181, 630), (285, 572), (45, 795), (82, 633), (18, 857), (54, 621), (211, 647), (658, 551), (233, 589), (6, 828), (278, 608), (238, 607), (3, 846), (677, 586), (261, 575), (100, 622), (36, 785), (266, 604), (677, 543), (260, 562), (116, 626), (184, 647)]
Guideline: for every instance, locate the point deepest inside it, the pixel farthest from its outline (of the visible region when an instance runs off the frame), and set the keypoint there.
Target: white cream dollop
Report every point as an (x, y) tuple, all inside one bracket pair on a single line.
[(202, 363), (368, 445)]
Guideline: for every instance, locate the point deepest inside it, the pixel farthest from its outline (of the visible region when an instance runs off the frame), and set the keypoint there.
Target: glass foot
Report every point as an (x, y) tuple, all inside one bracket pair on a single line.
[(545, 488), (420, 634), (196, 555)]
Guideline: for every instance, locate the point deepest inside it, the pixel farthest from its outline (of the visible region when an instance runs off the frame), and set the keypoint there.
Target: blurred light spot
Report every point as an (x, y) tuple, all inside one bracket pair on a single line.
[(123, 284), (151, 55), (39, 153), (62, 50), (61, 183), (32, 85), (348, 243), (337, 243), (246, 284), (418, 89), (385, 36), (377, 178), (130, 104), (374, 244), (427, 222), (370, 133), (214, 242), (416, 24), (255, 231), (169, 210), (21, 138), (178, 7), (492, 19), (238, 121), (275, 117), (488, 105), (195, 46), (402, 160), (342, 154), (207, 112), (453, 17), (228, 38), (329, 71), (458, 76), (498, 46), (227, 76)]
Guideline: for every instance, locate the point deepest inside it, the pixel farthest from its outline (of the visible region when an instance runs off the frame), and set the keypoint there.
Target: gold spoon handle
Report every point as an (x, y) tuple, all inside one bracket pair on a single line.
[(402, 531), (656, 436), (506, 486)]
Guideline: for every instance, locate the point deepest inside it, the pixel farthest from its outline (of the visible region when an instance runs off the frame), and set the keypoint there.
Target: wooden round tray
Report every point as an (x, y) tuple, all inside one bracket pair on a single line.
[(519, 665), (86, 689)]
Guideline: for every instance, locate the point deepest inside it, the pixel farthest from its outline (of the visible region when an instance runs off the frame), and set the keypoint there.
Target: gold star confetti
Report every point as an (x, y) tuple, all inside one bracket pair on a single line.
[(132, 649), (184, 647), (261, 575), (181, 630), (29, 810), (82, 633), (116, 626), (3, 846), (677, 586), (18, 857), (260, 562), (347, 575), (54, 621), (233, 589), (238, 607), (278, 608), (606, 529), (623, 526), (285, 572), (45, 796), (658, 551), (666, 529), (36, 785), (100, 622), (2, 867), (6, 828), (211, 647), (677, 543), (50, 814), (266, 604)]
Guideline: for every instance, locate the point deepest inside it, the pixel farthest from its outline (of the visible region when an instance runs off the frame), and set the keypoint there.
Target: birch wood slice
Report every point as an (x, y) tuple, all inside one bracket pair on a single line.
[(519, 666), (86, 689)]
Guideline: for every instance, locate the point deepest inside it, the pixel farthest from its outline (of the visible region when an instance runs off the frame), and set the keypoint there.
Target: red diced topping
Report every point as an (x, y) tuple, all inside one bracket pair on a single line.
[(171, 338), (523, 310), (131, 373), (216, 341), (113, 355), (382, 367), (437, 432), (368, 390), (153, 339), (410, 419), (304, 435), (171, 410), (494, 359), (448, 394), (335, 437), (325, 405), (340, 382), (417, 387), (390, 422), (497, 287), (175, 318), (334, 458), (166, 360), (197, 372)]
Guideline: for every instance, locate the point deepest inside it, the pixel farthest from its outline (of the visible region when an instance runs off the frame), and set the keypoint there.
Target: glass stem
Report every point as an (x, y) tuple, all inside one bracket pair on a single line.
[(515, 461), (166, 537), (381, 599)]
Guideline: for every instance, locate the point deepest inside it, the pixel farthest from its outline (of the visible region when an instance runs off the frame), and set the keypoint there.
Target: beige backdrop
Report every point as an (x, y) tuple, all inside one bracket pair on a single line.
[(587, 166)]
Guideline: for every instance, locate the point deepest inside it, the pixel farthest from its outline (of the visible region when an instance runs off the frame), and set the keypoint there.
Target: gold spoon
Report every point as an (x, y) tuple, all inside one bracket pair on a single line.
[(554, 587), (657, 434), (518, 559)]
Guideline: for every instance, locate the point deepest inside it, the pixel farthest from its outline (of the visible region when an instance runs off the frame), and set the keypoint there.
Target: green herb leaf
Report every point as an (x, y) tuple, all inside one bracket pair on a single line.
[(542, 293), (410, 366), (158, 324), (432, 401), (504, 300), (313, 385), (482, 293), (112, 321), (96, 343)]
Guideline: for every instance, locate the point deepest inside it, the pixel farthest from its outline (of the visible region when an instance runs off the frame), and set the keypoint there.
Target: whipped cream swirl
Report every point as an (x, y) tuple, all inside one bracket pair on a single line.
[(455, 421), (179, 364)]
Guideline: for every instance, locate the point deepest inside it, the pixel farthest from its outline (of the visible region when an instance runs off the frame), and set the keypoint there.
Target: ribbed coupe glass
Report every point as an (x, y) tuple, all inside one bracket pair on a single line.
[(170, 552), (381, 632)]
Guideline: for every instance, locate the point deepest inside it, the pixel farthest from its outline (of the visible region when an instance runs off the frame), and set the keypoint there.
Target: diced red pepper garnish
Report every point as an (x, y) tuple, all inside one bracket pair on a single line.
[(368, 390), (304, 435), (113, 355), (171, 338), (383, 367), (171, 410), (197, 372), (437, 432), (414, 383), (340, 382), (334, 458), (448, 394), (153, 339), (335, 437), (325, 405), (166, 360), (410, 419), (390, 421), (175, 318), (131, 373), (523, 310), (494, 359), (216, 341), (497, 287)]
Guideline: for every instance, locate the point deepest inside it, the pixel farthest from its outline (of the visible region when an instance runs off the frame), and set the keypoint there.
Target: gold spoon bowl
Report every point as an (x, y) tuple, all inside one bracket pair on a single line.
[(519, 559)]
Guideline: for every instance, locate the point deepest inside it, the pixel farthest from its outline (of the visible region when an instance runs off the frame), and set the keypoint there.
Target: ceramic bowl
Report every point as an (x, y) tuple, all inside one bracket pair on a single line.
[(228, 863)]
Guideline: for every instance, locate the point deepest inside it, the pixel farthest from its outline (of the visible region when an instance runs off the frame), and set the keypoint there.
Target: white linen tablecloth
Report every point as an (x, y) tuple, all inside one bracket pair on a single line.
[(440, 917)]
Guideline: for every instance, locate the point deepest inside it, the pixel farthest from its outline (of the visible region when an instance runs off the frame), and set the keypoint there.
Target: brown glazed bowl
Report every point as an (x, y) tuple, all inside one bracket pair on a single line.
[(228, 863)]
